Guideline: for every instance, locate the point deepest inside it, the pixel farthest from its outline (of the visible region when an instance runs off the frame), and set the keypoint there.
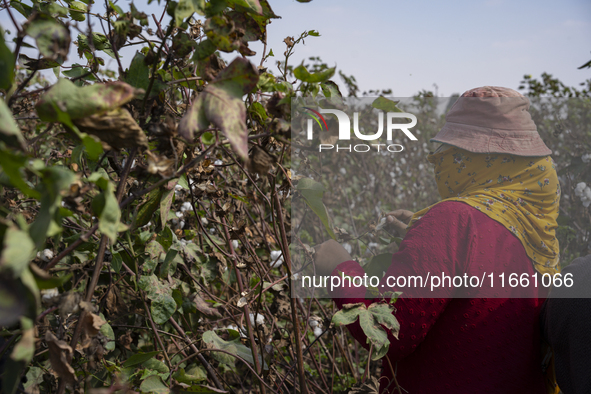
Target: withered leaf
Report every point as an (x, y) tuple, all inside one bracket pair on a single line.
[(259, 161), (205, 308), (115, 128), (57, 357)]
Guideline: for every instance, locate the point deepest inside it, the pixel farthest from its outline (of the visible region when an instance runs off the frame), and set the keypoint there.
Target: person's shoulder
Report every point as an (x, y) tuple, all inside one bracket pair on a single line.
[(451, 209)]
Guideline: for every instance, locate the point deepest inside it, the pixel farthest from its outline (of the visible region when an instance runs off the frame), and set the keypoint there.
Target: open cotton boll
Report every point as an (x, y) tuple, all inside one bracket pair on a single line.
[(186, 207), (240, 330), (260, 319), (235, 244), (48, 294), (218, 163), (276, 258), (317, 331), (46, 255)]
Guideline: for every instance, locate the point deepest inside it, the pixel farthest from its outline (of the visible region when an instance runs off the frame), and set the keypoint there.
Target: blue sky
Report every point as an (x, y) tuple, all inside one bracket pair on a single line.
[(411, 45)]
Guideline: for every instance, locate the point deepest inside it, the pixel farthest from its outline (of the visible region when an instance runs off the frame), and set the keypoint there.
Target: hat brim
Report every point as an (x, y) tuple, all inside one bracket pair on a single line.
[(478, 139)]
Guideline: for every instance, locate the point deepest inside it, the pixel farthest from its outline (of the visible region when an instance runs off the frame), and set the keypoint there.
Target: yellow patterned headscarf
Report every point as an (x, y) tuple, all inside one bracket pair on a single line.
[(521, 193)]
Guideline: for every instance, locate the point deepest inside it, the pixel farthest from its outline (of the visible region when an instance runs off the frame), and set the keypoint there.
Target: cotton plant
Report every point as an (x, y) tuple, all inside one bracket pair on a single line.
[(45, 255), (584, 193), (276, 258), (257, 320)]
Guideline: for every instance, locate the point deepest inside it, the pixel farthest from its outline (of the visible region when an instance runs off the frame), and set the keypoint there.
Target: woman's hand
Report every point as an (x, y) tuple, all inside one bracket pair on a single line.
[(328, 255), (398, 220)]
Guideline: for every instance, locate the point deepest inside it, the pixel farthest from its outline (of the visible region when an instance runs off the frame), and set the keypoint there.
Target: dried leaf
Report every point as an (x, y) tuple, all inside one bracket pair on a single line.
[(117, 129), (57, 357), (259, 161), (205, 307)]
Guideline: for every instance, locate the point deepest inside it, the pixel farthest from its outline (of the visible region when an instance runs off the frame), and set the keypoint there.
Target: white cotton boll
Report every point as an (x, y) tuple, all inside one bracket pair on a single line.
[(343, 171), (179, 214), (579, 188), (212, 230), (260, 319), (313, 323), (186, 207), (586, 157), (240, 330), (421, 166), (317, 331), (276, 258), (347, 247), (204, 221), (402, 160), (48, 294), (235, 244), (218, 163), (46, 255)]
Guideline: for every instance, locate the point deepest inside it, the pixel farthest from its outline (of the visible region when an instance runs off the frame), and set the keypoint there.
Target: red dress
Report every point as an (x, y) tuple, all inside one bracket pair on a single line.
[(460, 345)]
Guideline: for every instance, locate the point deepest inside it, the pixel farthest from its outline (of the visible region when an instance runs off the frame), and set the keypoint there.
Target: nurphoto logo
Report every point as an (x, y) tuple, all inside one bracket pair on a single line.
[(344, 130)]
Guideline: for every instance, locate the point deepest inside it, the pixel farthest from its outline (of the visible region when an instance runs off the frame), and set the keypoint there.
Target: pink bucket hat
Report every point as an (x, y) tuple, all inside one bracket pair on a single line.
[(492, 119)]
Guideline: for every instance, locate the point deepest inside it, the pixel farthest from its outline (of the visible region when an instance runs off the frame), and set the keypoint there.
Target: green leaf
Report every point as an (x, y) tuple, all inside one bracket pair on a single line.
[(154, 250), (154, 385), (258, 112), (9, 131), (186, 8), (233, 347), (203, 50), (148, 207), (80, 102), (25, 348), (383, 314), (221, 104), (52, 38), (107, 331), (138, 76), (12, 165), (195, 374), (165, 238), (330, 89), (100, 41), (18, 250), (106, 207), (219, 30), (13, 300), (79, 15), (166, 201), (170, 262), (156, 365), (46, 281), (302, 73), (348, 314), (253, 6), (312, 192), (371, 320), (162, 308), (6, 65), (385, 104), (139, 358), (38, 64)]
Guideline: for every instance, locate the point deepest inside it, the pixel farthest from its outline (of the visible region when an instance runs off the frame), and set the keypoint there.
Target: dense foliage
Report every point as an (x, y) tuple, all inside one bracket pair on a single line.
[(145, 217)]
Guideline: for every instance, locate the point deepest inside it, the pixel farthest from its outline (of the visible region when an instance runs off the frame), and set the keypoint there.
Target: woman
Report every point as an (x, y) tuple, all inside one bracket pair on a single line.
[(498, 214)]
